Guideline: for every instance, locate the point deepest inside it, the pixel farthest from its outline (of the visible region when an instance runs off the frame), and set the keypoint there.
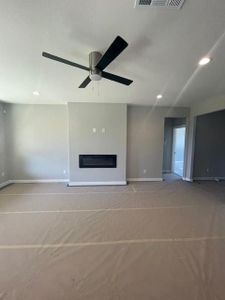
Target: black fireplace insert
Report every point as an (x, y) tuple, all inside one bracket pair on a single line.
[(97, 161)]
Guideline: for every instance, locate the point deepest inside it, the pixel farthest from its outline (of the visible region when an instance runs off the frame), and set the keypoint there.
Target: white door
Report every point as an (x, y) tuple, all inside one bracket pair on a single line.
[(178, 150)]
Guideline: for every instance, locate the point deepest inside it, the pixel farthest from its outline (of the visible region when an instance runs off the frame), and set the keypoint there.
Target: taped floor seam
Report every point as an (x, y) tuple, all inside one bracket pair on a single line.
[(108, 243), (101, 209)]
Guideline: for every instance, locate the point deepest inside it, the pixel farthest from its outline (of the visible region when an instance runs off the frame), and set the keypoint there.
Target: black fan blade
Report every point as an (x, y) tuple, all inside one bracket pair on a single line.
[(64, 61), (116, 78), (85, 82), (113, 51)]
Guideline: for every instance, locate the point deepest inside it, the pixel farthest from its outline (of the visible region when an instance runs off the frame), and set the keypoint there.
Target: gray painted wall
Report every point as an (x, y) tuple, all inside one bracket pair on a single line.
[(38, 141), (146, 139), (3, 156), (209, 157), (199, 108), (168, 144), (83, 117)]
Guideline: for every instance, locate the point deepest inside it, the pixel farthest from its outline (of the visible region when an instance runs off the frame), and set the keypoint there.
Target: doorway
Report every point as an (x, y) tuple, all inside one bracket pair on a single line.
[(174, 148), (178, 150)]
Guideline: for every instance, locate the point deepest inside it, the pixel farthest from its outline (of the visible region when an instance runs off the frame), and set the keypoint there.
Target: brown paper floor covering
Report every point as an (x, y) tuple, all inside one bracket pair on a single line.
[(144, 241)]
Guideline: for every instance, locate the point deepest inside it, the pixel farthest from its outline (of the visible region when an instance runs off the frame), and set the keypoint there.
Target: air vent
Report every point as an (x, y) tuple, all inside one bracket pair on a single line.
[(176, 4), (159, 3), (145, 2)]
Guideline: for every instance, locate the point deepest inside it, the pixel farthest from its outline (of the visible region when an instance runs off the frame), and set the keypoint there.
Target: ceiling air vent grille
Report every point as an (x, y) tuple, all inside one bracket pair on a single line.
[(145, 2), (177, 4), (159, 3)]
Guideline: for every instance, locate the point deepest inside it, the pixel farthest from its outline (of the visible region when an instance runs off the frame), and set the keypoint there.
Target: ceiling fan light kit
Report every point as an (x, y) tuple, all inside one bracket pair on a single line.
[(98, 62)]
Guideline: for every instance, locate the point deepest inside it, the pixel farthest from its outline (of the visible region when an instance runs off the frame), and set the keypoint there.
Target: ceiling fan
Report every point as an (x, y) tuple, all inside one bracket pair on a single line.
[(98, 62)]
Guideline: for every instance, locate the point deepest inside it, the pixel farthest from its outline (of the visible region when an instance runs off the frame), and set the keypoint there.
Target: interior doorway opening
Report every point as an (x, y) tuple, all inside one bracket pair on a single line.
[(174, 148), (178, 150)]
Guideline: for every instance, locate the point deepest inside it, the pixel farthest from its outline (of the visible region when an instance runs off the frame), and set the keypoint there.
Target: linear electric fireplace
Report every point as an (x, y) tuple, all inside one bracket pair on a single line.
[(97, 161)]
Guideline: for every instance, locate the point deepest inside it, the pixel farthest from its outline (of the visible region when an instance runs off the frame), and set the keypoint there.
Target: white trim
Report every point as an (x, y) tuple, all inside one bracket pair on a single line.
[(95, 183), (2, 185), (189, 162), (209, 178), (39, 180), (144, 179), (187, 179)]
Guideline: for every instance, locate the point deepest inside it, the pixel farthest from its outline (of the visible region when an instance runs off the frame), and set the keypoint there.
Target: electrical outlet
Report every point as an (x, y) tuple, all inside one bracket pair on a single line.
[(144, 171), (94, 130), (103, 130), (3, 174), (64, 171)]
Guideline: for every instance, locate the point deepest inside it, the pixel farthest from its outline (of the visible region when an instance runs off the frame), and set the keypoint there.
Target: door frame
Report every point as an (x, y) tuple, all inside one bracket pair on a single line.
[(173, 152)]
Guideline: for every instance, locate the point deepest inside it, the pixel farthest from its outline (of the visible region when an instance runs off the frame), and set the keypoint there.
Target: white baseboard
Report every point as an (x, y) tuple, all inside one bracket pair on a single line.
[(187, 179), (209, 178), (2, 185), (38, 180), (145, 179), (96, 183)]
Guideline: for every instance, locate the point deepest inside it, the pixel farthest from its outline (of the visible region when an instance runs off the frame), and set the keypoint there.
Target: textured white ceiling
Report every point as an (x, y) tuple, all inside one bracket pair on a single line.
[(162, 57)]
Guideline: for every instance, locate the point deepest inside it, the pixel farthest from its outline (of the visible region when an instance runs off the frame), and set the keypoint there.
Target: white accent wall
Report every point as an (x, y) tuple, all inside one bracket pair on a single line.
[(96, 128)]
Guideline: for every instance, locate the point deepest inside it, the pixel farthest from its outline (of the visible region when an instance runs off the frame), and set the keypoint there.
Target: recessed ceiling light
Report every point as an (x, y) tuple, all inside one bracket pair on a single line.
[(159, 96), (204, 61), (36, 93)]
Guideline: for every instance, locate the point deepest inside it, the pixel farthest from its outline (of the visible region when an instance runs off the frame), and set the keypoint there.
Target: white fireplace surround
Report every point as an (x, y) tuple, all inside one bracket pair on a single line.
[(97, 129)]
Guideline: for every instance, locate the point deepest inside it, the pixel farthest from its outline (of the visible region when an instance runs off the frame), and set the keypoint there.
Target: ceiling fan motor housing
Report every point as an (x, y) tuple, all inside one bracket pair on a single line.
[(94, 58)]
